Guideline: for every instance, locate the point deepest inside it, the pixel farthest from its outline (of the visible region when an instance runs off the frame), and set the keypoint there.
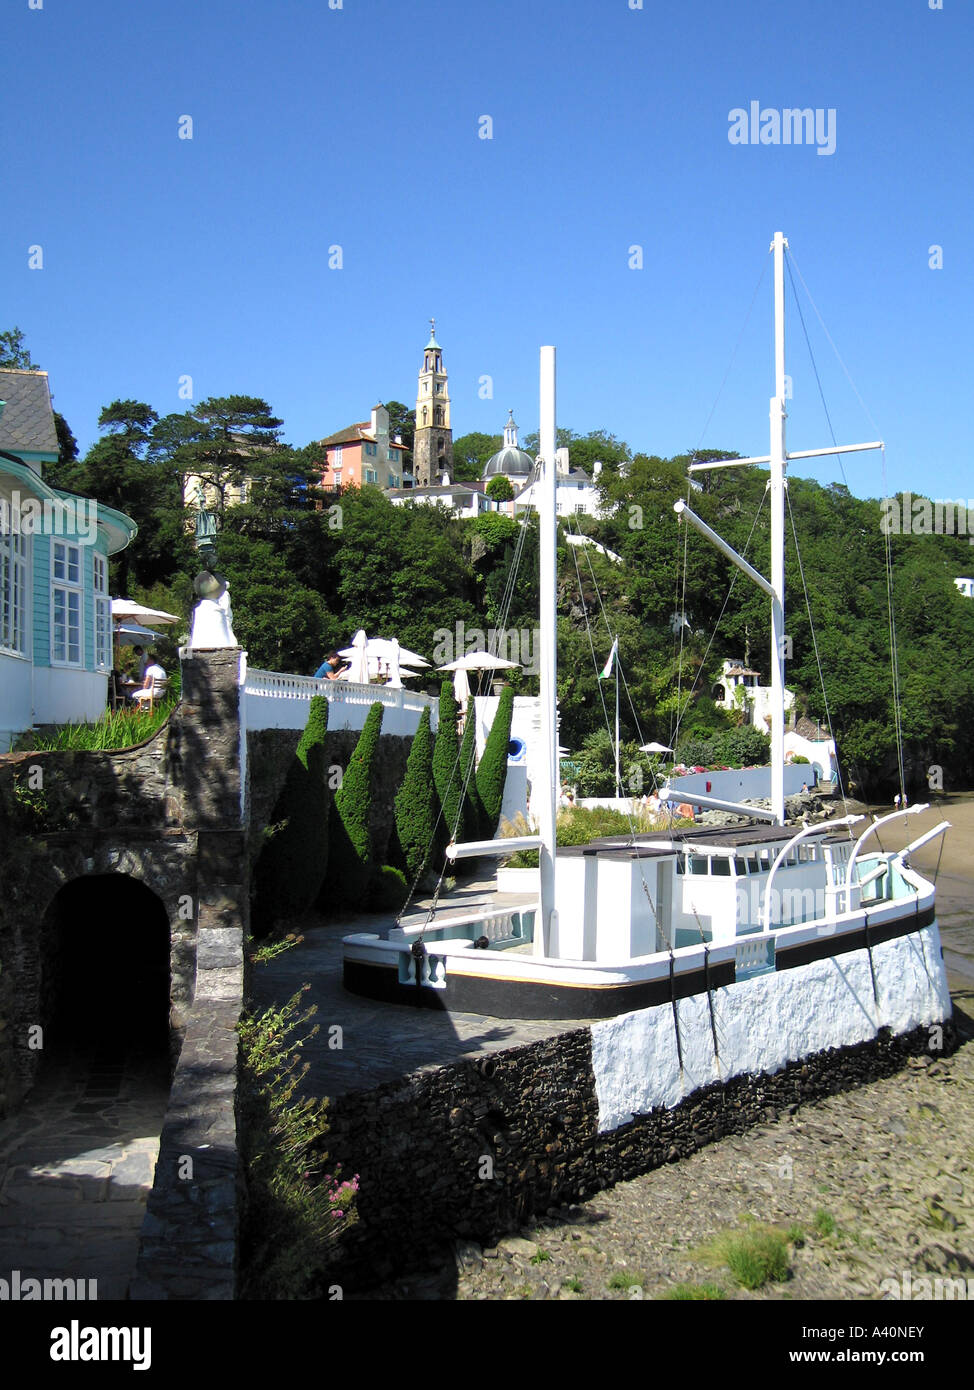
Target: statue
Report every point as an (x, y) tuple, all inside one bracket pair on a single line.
[(212, 616), (207, 522)]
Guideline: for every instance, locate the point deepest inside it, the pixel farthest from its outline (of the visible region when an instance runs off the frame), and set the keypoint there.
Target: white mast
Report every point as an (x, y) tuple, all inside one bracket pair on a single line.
[(777, 485), (548, 791), (775, 588)]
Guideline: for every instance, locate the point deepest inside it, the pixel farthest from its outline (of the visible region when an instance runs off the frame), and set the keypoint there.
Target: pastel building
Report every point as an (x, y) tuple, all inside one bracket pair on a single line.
[(55, 609), (363, 455)]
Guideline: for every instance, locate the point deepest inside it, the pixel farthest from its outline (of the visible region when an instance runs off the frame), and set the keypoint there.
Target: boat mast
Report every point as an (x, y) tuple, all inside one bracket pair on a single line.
[(547, 520), (777, 485)]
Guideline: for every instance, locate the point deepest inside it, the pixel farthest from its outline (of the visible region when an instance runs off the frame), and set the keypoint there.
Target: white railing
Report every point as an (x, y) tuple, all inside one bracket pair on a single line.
[(277, 700)]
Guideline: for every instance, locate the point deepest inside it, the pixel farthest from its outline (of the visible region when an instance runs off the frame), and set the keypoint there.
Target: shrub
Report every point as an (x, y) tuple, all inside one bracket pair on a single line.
[(694, 1292), (294, 860), (416, 804), (492, 772), (823, 1222), (295, 1212), (446, 762), (389, 889), (473, 812), (350, 863), (755, 1257)]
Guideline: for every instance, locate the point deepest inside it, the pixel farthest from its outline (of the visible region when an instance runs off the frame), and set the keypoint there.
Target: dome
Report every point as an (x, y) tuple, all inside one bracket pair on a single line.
[(509, 461)]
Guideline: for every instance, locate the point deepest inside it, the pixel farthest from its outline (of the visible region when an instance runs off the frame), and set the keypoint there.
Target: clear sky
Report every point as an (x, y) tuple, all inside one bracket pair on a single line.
[(360, 127)]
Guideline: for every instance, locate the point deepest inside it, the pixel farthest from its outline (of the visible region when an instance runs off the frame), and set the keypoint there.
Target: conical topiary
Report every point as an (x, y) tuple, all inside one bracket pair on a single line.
[(473, 807), (294, 859), (416, 804), (492, 771), (350, 855), (446, 763)]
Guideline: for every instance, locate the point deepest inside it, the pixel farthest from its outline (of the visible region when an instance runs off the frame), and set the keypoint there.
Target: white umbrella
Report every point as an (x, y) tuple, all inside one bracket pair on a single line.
[(124, 608), (130, 634), (654, 748), (358, 671), (473, 661)]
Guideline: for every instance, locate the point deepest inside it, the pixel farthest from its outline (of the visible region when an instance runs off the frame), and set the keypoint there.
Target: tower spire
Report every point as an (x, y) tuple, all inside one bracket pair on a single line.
[(433, 441)]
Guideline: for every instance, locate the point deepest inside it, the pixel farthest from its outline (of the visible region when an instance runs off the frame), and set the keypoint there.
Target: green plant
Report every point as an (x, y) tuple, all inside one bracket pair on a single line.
[(294, 858), (295, 1212), (492, 770), (389, 889), (260, 955), (573, 1284), (123, 728), (756, 1257), (446, 763), (416, 804), (823, 1222), (540, 1258), (624, 1279), (350, 862), (694, 1292), (795, 1235), (473, 812)]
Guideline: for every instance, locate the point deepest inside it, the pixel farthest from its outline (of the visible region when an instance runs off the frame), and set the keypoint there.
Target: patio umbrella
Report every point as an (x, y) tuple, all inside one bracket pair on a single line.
[(131, 634), (124, 608), (473, 661), (359, 669), (654, 748)]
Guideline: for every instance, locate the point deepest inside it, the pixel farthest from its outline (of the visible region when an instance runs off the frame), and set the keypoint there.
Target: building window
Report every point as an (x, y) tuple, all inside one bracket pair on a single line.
[(370, 450), (439, 386), (14, 572), (337, 460), (103, 615), (66, 604), (393, 480), (369, 475)]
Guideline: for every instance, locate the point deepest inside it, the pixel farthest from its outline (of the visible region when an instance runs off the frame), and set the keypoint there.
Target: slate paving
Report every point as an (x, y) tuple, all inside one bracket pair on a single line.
[(76, 1166)]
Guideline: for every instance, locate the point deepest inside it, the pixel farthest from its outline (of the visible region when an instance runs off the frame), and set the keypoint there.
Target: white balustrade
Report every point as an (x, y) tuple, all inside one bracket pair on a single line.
[(278, 700)]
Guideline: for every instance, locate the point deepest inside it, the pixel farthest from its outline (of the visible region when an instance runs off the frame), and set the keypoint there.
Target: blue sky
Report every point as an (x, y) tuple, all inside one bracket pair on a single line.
[(359, 127)]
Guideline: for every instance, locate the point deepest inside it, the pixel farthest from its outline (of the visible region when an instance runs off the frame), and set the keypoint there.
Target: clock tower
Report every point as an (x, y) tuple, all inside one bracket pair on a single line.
[(433, 440)]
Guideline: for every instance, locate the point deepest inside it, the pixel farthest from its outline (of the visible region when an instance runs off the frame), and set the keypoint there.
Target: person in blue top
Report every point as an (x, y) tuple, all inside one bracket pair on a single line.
[(331, 668)]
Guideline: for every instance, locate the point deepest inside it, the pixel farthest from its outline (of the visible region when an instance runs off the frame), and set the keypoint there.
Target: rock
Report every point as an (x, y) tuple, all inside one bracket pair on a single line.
[(517, 1245), (468, 1255)]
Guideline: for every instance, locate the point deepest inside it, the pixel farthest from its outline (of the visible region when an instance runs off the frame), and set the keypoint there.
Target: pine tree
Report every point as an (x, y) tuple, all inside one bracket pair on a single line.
[(446, 763), (294, 860), (492, 772), (416, 804), (350, 863)]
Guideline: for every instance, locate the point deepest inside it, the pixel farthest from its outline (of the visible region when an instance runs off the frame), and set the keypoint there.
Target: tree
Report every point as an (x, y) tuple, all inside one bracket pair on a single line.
[(416, 804), (499, 488), (294, 859), (13, 354), (492, 771), (471, 452), (350, 865), (473, 814), (446, 763)]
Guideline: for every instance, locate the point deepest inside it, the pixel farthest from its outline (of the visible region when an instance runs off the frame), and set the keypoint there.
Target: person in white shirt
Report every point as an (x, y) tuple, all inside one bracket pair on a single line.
[(154, 682)]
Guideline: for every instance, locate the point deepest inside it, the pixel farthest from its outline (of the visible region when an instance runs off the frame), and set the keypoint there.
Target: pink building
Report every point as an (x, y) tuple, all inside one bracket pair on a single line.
[(363, 454)]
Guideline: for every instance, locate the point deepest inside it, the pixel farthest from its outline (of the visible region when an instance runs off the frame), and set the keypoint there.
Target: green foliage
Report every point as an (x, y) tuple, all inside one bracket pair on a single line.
[(350, 865), (624, 1279), (295, 1213), (123, 728), (500, 489), (573, 1284), (494, 529), (695, 1293), (389, 889), (741, 747), (471, 452), (14, 355), (596, 767), (446, 764), (823, 1222), (492, 770), (294, 859), (474, 814), (416, 803), (580, 825), (755, 1257)]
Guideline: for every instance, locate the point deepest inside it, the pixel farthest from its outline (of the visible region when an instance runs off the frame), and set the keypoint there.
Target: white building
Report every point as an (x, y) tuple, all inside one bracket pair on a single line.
[(738, 689), (966, 585)]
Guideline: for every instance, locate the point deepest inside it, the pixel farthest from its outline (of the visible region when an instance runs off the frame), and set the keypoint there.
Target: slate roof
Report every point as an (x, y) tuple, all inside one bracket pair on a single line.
[(27, 422)]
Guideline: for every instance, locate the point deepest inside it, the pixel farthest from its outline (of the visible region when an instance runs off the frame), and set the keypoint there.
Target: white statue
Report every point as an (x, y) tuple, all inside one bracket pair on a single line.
[(212, 616)]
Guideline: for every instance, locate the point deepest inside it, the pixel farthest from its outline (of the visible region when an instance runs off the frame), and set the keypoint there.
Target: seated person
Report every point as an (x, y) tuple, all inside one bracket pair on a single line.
[(331, 668), (155, 681)]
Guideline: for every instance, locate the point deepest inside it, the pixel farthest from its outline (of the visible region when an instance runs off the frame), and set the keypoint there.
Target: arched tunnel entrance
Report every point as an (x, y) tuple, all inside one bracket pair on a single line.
[(105, 969)]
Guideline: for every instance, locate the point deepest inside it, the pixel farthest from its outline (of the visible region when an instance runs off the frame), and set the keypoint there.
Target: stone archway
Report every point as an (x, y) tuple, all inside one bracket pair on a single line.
[(105, 968)]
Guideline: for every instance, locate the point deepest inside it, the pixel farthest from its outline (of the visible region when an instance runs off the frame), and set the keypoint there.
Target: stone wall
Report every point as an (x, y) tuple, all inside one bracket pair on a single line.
[(473, 1150)]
